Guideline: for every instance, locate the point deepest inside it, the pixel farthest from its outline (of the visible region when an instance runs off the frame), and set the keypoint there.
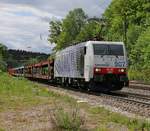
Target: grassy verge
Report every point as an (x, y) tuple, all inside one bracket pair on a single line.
[(17, 94), (140, 75), (106, 117)]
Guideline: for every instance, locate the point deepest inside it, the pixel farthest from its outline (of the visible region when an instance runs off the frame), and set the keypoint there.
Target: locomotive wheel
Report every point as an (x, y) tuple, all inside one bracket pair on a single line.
[(69, 82), (119, 86), (63, 82), (91, 86)]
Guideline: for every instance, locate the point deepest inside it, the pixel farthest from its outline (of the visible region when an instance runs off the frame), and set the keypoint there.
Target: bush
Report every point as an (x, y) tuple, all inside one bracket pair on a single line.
[(3, 66), (140, 54), (140, 75), (67, 120)]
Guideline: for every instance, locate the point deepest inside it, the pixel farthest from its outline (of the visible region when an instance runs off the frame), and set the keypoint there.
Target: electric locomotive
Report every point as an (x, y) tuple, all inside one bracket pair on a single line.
[(94, 65)]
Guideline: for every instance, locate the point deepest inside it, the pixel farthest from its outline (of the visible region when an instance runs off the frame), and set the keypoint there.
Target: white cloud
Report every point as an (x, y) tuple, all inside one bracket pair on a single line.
[(20, 31), (22, 22)]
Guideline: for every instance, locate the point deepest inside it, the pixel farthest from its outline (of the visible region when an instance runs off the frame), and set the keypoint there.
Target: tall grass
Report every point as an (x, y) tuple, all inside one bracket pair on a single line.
[(18, 86), (140, 75), (107, 116), (70, 120), (18, 92)]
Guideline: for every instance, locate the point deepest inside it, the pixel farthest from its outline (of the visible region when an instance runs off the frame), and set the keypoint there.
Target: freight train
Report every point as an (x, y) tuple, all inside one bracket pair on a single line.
[(92, 65)]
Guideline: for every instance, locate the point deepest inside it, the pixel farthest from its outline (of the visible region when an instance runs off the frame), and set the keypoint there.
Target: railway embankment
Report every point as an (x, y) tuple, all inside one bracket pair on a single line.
[(25, 105)]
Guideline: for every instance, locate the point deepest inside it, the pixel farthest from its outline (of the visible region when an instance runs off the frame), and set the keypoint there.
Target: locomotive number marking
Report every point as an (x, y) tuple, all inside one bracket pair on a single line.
[(120, 63)]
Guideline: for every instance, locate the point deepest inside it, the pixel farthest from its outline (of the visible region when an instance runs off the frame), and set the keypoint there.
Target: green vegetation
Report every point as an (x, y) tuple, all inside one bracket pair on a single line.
[(105, 117), (15, 58), (140, 75), (70, 120), (123, 20), (22, 95), (64, 33), (19, 92), (3, 57), (18, 58)]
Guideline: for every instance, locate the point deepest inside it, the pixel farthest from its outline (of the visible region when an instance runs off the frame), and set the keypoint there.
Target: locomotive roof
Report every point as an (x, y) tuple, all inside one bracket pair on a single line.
[(106, 42), (73, 47)]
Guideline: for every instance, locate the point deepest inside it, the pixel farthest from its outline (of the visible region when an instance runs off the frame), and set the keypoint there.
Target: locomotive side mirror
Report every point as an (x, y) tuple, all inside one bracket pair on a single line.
[(84, 50)]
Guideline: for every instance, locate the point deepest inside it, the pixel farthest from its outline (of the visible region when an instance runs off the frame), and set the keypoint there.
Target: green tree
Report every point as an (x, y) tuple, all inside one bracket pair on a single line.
[(3, 57), (55, 28), (141, 57), (123, 13), (3, 51), (134, 31), (90, 31), (64, 33)]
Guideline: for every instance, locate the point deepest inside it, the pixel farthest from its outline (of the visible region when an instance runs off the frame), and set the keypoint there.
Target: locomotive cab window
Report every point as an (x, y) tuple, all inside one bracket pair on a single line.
[(100, 49), (116, 50), (103, 49)]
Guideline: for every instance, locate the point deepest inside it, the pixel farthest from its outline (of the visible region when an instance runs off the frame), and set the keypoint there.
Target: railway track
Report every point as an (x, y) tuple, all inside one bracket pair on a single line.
[(139, 85), (130, 103), (140, 97), (138, 82), (121, 101)]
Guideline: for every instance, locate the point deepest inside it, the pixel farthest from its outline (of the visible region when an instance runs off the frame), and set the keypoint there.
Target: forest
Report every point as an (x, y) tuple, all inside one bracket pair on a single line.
[(10, 58), (20, 57), (123, 20)]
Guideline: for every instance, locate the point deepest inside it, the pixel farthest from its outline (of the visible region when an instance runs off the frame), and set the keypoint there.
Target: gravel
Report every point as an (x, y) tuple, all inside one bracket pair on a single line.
[(136, 91), (127, 108)]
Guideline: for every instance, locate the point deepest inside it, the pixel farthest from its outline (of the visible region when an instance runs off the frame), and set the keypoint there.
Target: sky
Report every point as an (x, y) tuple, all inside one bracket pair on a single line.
[(24, 24)]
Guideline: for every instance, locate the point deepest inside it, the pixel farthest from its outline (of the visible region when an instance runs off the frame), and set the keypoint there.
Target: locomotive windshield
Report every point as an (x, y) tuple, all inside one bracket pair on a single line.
[(105, 49)]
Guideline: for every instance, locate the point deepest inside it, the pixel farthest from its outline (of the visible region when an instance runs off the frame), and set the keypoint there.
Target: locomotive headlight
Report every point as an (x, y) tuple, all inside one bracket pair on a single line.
[(97, 70), (122, 70)]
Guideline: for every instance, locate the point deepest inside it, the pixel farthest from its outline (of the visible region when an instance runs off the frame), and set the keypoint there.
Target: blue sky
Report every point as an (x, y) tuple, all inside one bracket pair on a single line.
[(24, 23)]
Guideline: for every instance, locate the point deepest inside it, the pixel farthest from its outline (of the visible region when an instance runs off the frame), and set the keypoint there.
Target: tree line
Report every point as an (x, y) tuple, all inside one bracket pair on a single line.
[(10, 58), (20, 57)]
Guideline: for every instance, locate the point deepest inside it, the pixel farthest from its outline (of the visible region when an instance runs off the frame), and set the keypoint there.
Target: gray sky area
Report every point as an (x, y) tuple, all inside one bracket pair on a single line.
[(24, 23)]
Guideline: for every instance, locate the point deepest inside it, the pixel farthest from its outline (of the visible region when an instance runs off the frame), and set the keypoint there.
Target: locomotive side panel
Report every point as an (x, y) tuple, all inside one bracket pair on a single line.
[(69, 63)]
